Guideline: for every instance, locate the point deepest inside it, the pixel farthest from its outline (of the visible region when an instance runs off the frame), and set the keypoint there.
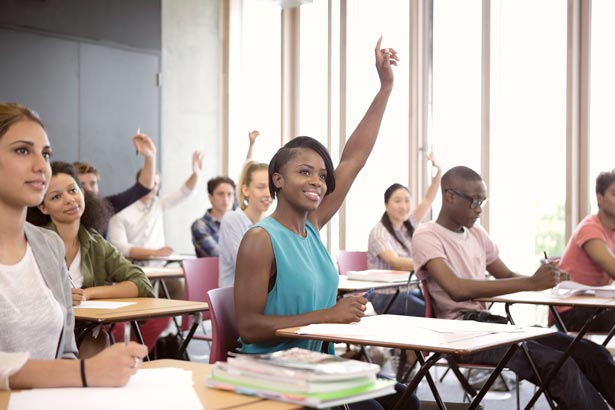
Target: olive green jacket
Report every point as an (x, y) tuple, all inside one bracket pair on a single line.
[(102, 264)]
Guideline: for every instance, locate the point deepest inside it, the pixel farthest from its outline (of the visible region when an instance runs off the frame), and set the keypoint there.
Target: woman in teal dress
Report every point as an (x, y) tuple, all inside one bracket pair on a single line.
[(284, 276)]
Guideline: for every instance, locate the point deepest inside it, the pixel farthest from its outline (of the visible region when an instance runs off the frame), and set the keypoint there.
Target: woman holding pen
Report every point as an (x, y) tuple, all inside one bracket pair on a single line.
[(96, 267), (284, 275), (35, 301)]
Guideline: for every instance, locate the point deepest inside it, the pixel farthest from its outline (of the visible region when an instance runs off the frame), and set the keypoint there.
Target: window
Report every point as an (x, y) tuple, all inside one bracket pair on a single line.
[(528, 130), (602, 127)]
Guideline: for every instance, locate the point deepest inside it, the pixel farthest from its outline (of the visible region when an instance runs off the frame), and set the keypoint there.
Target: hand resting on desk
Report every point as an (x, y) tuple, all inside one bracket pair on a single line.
[(347, 310), (113, 366)]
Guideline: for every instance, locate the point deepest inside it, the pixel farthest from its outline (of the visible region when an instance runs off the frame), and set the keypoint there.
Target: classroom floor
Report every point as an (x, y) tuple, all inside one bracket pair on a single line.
[(450, 389)]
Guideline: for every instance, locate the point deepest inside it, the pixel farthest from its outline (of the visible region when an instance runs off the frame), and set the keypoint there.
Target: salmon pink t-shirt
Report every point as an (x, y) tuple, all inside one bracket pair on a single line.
[(576, 261), (468, 253)]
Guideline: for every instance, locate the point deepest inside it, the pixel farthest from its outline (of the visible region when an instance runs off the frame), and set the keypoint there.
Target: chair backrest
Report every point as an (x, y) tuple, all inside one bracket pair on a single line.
[(351, 260), (224, 329), (427, 297), (200, 276)]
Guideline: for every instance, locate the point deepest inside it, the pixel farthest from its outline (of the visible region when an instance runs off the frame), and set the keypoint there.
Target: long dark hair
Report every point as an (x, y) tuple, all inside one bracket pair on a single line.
[(386, 221), (96, 213)]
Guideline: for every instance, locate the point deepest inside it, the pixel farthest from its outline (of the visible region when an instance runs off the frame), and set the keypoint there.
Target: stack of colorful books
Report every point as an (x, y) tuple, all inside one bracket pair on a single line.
[(300, 376)]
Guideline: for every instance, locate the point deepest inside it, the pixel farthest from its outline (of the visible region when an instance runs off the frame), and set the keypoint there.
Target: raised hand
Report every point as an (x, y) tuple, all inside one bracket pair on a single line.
[(252, 136), (385, 58), (197, 162), (144, 145)]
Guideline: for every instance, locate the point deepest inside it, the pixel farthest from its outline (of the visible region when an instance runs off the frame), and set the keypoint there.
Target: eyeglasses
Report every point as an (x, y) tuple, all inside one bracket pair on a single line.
[(474, 202)]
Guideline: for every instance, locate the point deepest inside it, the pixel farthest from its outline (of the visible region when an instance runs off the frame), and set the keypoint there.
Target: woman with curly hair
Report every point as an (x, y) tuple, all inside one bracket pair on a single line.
[(96, 268)]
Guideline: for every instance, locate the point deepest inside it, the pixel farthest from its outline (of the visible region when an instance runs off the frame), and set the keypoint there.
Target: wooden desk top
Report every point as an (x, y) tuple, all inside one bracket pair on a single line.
[(163, 272), (348, 285), (144, 308), (211, 399), (419, 333), (546, 298), (176, 257)]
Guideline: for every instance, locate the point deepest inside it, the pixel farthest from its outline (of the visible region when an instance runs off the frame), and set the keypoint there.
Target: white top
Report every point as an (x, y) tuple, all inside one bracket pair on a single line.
[(142, 225), (74, 270), (32, 320), (232, 229)]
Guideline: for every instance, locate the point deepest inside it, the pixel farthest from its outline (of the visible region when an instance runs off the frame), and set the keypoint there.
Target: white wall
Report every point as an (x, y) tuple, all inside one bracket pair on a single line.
[(190, 107)]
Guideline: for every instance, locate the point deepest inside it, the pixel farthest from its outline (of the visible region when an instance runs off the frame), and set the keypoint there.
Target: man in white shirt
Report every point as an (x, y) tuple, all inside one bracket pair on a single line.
[(138, 230)]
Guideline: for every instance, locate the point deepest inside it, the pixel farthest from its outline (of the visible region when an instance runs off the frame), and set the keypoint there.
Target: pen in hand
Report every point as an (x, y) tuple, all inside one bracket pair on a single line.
[(126, 333), (369, 293)]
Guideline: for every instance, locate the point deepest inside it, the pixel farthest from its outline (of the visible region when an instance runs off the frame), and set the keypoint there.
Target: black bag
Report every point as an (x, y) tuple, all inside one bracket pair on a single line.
[(167, 347), (484, 316)]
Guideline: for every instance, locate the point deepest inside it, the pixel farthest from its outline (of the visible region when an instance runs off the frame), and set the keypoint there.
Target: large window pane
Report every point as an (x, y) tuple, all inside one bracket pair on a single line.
[(455, 131), (255, 83), (602, 127), (528, 130), (388, 163)]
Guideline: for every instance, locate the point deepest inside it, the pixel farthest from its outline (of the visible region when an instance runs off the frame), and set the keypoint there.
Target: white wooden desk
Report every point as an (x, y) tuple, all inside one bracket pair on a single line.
[(546, 298), (440, 336), (211, 399), (142, 309)]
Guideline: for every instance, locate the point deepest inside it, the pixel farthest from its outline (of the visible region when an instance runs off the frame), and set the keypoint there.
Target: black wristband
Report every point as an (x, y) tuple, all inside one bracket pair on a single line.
[(84, 382)]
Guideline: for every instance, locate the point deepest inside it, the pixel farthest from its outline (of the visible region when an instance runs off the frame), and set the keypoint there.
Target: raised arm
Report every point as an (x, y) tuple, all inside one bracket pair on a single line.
[(252, 135), (360, 144), (255, 265), (425, 205), (145, 147), (197, 168)]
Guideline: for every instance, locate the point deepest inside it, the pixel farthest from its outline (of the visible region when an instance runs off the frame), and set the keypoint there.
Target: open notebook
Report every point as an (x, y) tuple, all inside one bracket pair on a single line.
[(570, 288)]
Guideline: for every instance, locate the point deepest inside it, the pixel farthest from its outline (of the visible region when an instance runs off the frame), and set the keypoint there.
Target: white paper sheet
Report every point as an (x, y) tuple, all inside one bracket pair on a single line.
[(100, 304), (149, 389)]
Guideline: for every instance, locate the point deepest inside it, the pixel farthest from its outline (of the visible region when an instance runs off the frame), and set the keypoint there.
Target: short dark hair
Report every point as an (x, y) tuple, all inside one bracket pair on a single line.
[(85, 168), (213, 183), (459, 172), (604, 181), (290, 150), (96, 213)]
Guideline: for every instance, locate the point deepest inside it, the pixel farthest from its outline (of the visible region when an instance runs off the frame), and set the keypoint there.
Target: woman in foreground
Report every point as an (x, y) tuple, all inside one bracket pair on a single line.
[(284, 275), (35, 297)]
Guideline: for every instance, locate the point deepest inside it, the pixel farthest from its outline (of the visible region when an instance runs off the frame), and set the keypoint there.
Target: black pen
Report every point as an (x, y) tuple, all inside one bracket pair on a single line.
[(546, 257), (138, 133)]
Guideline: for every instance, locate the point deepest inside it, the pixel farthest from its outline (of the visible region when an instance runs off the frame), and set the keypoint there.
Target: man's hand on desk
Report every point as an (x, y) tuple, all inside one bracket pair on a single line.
[(548, 276)]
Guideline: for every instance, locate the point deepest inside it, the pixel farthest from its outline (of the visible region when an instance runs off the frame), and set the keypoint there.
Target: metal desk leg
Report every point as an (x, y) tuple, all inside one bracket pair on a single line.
[(494, 375), (197, 318), (386, 309), (137, 332), (565, 356), (422, 372)]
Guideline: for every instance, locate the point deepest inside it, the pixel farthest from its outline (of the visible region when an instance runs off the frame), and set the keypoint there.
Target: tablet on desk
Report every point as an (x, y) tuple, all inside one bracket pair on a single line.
[(379, 275)]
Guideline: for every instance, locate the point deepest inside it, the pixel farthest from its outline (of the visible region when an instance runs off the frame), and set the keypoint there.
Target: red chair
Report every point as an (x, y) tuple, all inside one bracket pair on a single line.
[(351, 260), (200, 276), (224, 328)]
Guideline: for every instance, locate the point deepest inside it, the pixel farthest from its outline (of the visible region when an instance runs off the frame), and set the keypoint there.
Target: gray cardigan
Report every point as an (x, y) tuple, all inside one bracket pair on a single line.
[(49, 254)]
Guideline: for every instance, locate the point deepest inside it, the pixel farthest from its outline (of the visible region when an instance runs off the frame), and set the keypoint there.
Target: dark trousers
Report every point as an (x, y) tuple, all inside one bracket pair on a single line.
[(586, 379), (575, 318)]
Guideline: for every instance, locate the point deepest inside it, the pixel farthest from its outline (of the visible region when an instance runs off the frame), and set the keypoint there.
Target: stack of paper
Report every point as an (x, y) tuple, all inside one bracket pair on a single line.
[(301, 376), (570, 288), (379, 275), (149, 389)]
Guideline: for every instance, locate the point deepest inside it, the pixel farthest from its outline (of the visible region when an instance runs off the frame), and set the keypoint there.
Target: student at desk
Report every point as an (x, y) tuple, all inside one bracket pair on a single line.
[(96, 268), (589, 257), (390, 242), (35, 302), (452, 255), (285, 276)]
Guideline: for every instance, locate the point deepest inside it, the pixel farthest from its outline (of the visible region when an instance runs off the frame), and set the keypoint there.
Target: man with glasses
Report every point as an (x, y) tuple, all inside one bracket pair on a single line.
[(454, 255)]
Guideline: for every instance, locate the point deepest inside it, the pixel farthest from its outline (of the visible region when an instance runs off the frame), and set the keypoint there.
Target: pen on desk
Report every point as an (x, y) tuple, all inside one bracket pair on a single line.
[(126, 333), (368, 294)]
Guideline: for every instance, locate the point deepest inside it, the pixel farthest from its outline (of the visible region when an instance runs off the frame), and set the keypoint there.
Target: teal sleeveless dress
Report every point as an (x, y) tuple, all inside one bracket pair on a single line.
[(306, 280)]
